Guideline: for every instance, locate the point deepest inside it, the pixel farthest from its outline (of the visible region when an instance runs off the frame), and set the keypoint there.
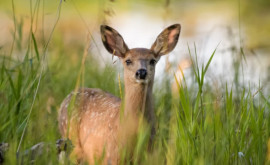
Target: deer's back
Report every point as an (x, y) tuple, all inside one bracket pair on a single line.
[(90, 118)]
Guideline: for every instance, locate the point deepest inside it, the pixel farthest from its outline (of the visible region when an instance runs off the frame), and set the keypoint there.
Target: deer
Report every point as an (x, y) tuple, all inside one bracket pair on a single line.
[(94, 123)]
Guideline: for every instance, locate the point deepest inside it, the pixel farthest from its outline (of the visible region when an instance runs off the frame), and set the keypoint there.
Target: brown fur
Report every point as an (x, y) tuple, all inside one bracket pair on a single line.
[(93, 123)]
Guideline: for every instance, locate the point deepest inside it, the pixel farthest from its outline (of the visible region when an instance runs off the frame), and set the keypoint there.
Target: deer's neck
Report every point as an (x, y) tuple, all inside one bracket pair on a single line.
[(138, 98)]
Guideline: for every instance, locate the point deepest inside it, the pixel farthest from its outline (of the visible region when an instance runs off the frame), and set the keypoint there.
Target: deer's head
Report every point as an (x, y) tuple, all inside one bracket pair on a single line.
[(139, 63)]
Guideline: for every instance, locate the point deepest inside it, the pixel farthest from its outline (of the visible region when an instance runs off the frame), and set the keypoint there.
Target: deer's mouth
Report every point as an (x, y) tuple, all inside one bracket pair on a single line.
[(142, 81)]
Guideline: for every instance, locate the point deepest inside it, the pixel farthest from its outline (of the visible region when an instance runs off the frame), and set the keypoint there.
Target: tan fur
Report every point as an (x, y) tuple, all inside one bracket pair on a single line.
[(91, 117)]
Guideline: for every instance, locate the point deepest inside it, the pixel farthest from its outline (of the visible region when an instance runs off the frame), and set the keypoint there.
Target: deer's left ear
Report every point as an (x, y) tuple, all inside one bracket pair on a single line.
[(166, 40)]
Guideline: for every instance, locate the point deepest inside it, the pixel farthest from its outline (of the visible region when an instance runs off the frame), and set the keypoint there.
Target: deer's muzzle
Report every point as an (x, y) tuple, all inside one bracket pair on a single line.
[(141, 74)]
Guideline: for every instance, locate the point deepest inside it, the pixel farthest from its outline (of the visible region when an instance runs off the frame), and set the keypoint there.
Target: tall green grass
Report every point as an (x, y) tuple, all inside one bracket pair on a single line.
[(196, 125)]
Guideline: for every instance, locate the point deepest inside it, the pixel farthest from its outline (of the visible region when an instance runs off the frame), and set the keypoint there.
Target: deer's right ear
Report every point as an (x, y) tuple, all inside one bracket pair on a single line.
[(113, 41)]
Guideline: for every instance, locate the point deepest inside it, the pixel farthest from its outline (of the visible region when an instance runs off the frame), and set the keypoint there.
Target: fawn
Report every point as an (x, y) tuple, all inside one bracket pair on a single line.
[(94, 125)]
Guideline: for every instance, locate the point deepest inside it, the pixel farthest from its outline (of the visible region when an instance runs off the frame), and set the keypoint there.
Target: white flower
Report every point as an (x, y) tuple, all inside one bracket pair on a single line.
[(240, 154)]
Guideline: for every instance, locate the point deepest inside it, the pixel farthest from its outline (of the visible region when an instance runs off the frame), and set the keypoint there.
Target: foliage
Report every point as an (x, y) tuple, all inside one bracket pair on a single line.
[(195, 125)]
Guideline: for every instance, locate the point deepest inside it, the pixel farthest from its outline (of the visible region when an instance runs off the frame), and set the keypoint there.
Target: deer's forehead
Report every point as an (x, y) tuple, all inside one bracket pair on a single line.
[(140, 53)]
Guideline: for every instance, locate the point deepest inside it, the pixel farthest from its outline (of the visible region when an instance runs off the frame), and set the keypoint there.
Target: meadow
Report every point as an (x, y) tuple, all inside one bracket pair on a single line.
[(197, 122)]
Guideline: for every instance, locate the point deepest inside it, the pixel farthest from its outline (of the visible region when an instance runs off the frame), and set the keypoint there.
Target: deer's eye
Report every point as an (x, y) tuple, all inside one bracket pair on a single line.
[(152, 62), (128, 62)]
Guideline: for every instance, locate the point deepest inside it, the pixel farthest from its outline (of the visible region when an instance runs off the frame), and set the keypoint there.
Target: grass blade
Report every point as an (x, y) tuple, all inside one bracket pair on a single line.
[(35, 46)]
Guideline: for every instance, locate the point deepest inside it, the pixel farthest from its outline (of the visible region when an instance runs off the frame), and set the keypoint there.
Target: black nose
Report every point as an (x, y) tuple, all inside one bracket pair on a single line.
[(141, 74)]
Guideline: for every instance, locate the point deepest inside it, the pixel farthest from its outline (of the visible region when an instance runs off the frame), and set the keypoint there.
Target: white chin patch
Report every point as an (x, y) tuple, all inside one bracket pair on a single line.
[(142, 81)]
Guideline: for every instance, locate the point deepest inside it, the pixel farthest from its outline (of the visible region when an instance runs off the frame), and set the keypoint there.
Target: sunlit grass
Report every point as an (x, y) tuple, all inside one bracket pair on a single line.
[(198, 125)]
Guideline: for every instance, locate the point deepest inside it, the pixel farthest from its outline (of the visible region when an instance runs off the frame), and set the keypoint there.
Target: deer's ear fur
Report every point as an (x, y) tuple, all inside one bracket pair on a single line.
[(166, 40), (113, 41)]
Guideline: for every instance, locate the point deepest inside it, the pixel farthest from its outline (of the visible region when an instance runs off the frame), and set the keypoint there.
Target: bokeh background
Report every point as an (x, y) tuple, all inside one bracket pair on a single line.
[(238, 27), (49, 47)]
